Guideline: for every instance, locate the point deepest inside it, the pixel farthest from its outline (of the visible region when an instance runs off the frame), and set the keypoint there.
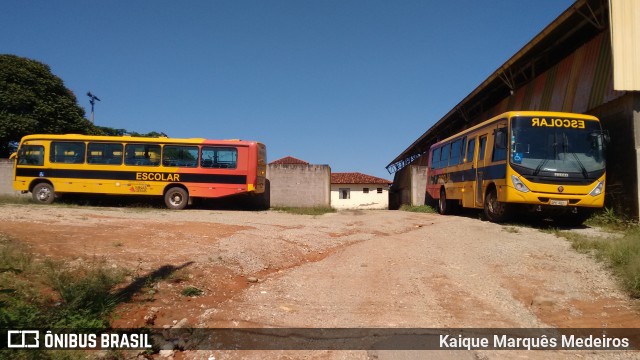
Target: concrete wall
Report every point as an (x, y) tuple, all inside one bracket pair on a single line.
[(410, 185), (6, 177), (299, 185), (418, 184), (358, 199)]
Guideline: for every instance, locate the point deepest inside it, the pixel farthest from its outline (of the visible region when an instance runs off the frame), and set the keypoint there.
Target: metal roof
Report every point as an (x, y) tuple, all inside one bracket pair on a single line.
[(573, 28)]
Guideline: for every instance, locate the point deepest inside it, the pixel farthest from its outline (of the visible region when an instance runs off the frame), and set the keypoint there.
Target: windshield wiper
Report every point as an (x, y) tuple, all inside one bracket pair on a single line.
[(539, 167), (582, 168)]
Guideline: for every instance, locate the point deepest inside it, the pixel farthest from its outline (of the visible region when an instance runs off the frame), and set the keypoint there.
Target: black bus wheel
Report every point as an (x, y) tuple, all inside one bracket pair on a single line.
[(495, 210), (443, 204), (176, 198), (43, 193)]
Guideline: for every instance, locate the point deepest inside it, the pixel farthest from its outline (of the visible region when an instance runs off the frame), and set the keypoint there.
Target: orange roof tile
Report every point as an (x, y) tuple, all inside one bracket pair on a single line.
[(357, 178), (289, 160)]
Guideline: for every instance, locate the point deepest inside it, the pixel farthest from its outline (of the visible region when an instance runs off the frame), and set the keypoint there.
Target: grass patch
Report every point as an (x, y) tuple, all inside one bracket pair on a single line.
[(609, 220), (318, 210), (622, 255), (50, 294), (420, 209), (191, 291), (15, 199)]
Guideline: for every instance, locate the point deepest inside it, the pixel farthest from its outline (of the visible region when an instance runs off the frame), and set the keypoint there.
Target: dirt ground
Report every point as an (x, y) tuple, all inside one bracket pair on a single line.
[(351, 269)]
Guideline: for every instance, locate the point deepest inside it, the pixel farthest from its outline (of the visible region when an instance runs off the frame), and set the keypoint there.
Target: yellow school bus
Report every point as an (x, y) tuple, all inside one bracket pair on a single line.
[(548, 162), (177, 169)]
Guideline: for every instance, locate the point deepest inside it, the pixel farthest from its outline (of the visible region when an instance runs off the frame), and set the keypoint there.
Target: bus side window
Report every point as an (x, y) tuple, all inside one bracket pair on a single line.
[(500, 145), (31, 155), (471, 148), (483, 145), (219, 157), (435, 159), (456, 155), (104, 153), (67, 152), (444, 157)]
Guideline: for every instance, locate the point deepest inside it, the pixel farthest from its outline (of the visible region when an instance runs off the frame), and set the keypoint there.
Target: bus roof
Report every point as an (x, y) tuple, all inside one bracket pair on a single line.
[(510, 114), (138, 139)]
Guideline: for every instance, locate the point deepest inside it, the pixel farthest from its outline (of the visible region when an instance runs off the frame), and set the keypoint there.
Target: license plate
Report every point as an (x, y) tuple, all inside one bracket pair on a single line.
[(559, 202)]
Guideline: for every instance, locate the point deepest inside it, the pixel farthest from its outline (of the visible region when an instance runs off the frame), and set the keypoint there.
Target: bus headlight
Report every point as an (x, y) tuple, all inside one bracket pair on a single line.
[(519, 185), (598, 189)]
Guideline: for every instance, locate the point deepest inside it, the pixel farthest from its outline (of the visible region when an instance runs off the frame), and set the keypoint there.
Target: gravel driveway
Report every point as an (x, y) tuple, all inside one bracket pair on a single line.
[(347, 269)]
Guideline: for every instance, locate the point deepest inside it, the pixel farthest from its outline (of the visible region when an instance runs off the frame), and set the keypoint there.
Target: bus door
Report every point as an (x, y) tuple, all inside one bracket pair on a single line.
[(480, 164)]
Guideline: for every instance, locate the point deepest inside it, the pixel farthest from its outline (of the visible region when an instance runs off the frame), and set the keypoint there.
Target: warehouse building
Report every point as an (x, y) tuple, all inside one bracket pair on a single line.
[(586, 61)]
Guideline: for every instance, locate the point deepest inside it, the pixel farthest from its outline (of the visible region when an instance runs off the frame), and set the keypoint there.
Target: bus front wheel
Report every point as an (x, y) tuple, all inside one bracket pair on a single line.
[(176, 198), (495, 210), (43, 193)]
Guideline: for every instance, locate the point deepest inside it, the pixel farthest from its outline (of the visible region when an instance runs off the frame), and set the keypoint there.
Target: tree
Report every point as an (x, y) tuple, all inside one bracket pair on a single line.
[(33, 100)]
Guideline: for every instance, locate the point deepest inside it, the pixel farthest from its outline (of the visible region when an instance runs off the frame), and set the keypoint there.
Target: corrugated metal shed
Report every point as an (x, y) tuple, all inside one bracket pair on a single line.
[(567, 67)]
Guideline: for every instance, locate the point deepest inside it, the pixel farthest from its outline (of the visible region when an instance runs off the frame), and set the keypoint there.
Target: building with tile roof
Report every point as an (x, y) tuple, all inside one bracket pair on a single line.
[(354, 190)]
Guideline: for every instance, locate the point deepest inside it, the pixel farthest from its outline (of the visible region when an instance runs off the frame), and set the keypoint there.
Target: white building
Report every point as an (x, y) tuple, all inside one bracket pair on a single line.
[(354, 190)]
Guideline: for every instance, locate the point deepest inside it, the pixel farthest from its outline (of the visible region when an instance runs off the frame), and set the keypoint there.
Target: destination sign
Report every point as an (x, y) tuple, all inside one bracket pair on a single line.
[(565, 123)]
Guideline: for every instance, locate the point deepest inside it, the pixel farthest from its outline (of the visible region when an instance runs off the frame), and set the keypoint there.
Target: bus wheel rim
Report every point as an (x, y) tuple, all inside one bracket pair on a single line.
[(44, 194), (176, 199)]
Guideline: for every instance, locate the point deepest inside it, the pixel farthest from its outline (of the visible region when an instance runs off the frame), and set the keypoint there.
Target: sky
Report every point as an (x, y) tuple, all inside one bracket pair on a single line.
[(348, 83)]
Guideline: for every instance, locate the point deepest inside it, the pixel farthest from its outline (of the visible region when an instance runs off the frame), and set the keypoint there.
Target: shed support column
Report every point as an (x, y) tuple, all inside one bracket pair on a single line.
[(636, 131), (418, 184)]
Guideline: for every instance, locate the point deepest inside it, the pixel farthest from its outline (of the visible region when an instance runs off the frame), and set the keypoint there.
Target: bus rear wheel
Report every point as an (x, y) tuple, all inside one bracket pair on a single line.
[(495, 210), (43, 193), (445, 207), (176, 198)]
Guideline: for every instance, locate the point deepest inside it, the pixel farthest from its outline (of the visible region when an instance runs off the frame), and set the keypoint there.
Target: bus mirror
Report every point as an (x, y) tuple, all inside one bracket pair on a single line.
[(607, 138), (13, 156)]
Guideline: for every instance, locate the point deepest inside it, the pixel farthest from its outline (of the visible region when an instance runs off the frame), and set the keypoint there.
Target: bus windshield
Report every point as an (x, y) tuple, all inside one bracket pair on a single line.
[(557, 145)]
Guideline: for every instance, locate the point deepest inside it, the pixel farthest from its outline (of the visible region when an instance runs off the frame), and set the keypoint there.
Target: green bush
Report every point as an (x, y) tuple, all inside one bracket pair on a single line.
[(191, 291), (52, 294), (608, 219)]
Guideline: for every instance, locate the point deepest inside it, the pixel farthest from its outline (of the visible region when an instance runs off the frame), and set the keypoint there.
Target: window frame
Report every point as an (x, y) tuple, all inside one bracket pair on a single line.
[(21, 155), (178, 164), (471, 149), (346, 191), (142, 161), (218, 148), (104, 144), (54, 156)]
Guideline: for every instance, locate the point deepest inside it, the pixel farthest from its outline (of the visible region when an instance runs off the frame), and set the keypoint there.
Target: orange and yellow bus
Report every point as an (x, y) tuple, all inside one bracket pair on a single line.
[(177, 169), (549, 162)]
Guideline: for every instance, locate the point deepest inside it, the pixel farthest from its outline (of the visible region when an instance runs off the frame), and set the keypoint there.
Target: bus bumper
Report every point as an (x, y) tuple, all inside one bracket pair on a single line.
[(571, 199)]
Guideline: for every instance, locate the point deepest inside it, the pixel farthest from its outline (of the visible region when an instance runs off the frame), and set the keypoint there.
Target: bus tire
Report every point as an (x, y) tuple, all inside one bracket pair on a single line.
[(494, 210), (176, 198), (43, 193), (444, 205)]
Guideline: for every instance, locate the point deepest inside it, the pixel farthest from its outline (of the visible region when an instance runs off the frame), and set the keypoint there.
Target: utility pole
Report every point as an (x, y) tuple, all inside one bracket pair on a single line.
[(92, 101)]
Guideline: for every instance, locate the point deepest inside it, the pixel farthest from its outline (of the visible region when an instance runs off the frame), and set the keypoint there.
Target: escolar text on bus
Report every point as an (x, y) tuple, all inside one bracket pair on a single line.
[(149, 176), (575, 124)]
